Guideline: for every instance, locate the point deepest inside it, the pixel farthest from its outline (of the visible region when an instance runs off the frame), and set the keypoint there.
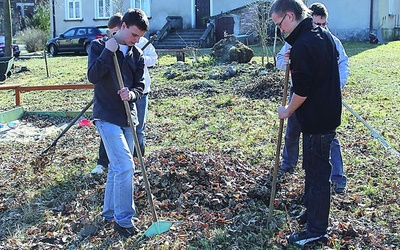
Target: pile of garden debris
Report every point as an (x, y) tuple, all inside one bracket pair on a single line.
[(206, 191)]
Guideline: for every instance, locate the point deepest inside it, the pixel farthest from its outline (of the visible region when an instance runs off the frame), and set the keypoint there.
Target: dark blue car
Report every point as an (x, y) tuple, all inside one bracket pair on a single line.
[(76, 39), (15, 48)]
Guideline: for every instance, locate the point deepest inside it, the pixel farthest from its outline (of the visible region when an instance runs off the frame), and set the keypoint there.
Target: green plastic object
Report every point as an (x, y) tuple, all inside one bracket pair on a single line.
[(158, 227), (11, 115)]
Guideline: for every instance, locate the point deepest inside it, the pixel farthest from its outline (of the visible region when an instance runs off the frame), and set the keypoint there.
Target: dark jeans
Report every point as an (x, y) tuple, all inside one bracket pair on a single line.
[(103, 159), (317, 196), (290, 153)]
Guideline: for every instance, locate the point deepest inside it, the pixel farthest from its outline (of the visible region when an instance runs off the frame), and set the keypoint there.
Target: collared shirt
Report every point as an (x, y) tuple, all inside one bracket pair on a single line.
[(150, 59)]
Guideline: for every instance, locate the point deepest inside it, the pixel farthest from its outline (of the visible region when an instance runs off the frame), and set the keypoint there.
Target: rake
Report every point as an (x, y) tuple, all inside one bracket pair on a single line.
[(157, 227), (278, 149), (373, 132)]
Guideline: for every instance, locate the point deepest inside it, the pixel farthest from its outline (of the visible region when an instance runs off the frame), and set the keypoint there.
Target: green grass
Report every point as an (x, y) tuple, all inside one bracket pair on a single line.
[(226, 122)]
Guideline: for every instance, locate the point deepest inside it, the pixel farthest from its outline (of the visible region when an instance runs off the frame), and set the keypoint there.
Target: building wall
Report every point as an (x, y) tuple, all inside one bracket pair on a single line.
[(387, 18), (162, 9), (245, 23), (348, 19), (186, 9), (88, 14), (218, 6)]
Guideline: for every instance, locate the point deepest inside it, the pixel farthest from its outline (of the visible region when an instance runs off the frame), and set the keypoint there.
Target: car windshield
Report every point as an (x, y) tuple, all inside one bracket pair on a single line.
[(2, 39)]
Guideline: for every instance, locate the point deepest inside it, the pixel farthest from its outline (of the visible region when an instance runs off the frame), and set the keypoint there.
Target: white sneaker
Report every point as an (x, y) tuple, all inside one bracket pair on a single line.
[(98, 169)]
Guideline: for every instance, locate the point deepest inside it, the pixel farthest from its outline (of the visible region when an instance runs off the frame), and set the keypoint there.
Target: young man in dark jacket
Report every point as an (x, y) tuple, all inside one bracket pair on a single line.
[(110, 116), (317, 103)]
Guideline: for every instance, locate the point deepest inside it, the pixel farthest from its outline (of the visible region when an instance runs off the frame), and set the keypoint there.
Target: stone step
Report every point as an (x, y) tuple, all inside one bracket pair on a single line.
[(181, 39)]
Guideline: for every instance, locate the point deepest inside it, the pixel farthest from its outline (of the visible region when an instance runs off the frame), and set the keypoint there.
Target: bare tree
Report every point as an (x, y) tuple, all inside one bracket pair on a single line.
[(260, 10), (118, 6)]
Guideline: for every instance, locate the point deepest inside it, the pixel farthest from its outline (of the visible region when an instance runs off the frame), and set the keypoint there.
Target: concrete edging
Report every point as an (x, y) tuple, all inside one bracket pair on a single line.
[(17, 113)]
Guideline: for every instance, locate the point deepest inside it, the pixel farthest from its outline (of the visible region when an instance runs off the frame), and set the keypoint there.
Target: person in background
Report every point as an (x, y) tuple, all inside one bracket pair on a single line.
[(109, 113), (290, 152), (317, 102), (150, 59)]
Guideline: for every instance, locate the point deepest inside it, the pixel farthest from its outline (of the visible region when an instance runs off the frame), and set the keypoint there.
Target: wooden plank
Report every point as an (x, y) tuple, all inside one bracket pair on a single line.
[(59, 113), (56, 87), (9, 87), (19, 88)]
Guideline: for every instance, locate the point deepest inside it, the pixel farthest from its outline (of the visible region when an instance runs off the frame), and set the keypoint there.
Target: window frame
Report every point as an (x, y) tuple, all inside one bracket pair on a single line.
[(142, 4), (67, 9), (104, 14)]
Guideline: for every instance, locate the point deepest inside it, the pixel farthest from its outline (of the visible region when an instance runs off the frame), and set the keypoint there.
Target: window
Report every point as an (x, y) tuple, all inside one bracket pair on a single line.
[(81, 32), (143, 5), (104, 8), (91, 31), (73, 9), (70, 33)]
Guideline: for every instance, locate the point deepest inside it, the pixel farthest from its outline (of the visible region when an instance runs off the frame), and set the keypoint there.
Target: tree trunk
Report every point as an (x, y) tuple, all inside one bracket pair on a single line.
[(7, 29)]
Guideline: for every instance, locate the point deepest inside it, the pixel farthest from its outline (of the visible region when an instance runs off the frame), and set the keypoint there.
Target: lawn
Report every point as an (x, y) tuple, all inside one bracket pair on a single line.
[(210, 150)]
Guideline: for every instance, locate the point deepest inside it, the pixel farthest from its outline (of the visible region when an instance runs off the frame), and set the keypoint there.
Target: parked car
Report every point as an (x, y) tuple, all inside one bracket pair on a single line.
[(76, 39), (15, 47)]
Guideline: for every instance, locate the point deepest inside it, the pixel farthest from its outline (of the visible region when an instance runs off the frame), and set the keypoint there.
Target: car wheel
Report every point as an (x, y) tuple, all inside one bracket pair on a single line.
[(87, 48), (53, 50)]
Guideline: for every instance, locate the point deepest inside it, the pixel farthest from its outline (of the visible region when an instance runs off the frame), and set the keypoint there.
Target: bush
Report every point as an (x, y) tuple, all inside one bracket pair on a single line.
[(34, 39), (41, 18)]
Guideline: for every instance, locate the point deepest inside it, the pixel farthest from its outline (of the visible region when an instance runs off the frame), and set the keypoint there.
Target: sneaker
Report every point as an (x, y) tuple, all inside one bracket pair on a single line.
[(302, 218), (108, 223), (339, 188), (283, 170), (98, 169), (126, 232), (303, 238)]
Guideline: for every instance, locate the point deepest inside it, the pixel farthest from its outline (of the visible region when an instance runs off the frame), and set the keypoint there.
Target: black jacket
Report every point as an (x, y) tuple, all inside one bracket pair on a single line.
[(315, 75), (108, 105)]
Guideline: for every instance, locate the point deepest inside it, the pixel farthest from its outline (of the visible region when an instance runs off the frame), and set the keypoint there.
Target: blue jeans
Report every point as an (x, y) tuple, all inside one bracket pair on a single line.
[(118, 198), (317, 166), (142, 108), (290, 154)]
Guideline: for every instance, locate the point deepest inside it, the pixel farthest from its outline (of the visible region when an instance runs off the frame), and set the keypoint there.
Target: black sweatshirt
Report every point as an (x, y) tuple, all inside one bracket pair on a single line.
[(315, 75), (108, 105)]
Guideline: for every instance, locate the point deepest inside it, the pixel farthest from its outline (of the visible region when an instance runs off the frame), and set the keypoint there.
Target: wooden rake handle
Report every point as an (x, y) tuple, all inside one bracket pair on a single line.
[(135, 138), (278, 149)]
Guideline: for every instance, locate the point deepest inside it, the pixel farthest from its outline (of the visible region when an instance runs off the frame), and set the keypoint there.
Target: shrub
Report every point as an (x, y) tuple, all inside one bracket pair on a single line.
[(41, 18), (34, 39)]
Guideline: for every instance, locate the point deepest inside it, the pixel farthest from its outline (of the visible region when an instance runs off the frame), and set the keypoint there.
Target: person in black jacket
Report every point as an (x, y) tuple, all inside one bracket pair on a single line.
[(317, 103), (102, 163), (109, 113)]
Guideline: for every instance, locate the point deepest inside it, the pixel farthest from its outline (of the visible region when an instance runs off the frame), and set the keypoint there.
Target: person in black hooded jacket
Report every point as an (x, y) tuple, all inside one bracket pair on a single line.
[(317, 103), (109, 113)]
